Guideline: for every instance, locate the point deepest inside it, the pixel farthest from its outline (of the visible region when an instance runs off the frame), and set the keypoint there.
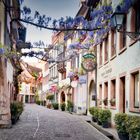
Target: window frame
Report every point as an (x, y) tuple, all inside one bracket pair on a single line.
[(113, 43), (113, 90), (106, 48), (132, 107), (101, 54)]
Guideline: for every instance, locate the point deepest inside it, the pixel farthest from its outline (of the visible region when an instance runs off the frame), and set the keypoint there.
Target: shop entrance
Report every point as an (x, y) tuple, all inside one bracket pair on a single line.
[(62, 97), (122, 95), (92, 94)]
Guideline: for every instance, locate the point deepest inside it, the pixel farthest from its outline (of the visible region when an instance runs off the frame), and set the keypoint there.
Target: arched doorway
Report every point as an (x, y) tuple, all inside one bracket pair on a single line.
[(62, 97), (92, 94)]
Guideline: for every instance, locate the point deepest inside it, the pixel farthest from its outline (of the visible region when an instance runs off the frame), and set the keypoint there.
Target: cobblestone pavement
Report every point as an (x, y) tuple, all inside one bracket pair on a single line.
[(40, 123)]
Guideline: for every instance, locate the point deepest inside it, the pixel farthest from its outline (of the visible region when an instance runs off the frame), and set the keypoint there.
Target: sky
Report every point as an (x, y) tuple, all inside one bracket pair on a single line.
[(53, 8)]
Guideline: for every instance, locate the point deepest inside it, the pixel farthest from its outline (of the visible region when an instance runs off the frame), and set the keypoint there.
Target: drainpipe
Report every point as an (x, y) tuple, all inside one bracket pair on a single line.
[(96, 78), (87, 97)]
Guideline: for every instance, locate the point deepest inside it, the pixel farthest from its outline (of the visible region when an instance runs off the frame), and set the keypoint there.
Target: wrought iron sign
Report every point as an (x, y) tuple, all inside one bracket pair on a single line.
[(89, 62)]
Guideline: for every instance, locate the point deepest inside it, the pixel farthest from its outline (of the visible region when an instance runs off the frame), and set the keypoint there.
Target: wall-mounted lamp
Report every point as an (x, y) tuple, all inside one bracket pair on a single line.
[(118, 18)]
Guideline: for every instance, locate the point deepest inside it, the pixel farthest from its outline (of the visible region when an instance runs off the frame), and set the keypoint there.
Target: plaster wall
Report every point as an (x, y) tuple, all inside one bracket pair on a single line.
[(123, 63)]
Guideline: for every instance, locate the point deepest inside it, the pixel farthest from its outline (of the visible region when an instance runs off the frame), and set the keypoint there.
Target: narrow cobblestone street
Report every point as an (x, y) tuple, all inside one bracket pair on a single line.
[(40, 123)]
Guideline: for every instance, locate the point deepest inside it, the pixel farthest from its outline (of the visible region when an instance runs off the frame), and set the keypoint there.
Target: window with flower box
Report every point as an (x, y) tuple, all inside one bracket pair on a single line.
[(105, 100), (135, 91), (100, 94), (113, 93)]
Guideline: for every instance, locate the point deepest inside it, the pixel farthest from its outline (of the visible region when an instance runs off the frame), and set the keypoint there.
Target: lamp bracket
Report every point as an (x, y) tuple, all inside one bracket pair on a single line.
[(132, 35)]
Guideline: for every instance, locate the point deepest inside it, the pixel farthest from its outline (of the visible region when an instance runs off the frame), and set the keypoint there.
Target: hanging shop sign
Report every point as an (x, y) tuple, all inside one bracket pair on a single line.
[(82, 79), (88, 62)]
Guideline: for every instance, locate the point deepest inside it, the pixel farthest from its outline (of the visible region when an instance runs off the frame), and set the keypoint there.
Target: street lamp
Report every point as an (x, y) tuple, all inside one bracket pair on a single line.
[(117, 19)]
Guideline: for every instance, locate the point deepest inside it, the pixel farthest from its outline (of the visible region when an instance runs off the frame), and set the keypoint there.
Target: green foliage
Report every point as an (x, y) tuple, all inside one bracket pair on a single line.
[(1, 46), (50, 97), (63, 106), (19, 87), (69, 105), (104, 116), (96, 112), (113, 101), (38, 102), (133, 126), (120, 121), (92, 110), (16, 110), (55, 106), (35, 75), (36, 97)]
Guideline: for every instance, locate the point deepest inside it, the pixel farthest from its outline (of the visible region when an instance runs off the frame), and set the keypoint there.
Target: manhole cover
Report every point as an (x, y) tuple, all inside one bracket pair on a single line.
[(62, 135)]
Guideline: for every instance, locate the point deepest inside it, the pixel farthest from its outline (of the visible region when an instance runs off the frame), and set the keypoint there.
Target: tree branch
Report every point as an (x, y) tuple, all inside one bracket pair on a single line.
[(55, 29)]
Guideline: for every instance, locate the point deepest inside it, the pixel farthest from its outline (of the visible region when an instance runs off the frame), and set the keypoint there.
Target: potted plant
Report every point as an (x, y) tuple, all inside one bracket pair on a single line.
[(63, 106), (133, 127), (92, 112), (55, 106), (38, 102), (105, 101), (105, 117), (113, 102), (49, 105), (98, 120), (16, 110), (50, 97), (120, 122), (69, 106)]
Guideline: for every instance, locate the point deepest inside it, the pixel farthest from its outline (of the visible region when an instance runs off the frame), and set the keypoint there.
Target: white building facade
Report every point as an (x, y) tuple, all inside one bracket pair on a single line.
[(118, 72)]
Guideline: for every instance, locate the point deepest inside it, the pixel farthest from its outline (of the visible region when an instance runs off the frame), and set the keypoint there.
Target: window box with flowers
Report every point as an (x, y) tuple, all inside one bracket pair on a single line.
[(113, 102), (105, 101)]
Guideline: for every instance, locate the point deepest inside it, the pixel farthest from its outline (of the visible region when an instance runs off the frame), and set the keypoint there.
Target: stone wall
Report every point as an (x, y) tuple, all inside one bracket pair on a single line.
[(5, 117)]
